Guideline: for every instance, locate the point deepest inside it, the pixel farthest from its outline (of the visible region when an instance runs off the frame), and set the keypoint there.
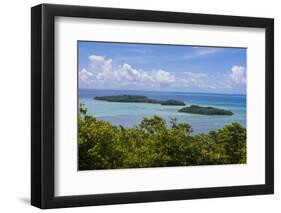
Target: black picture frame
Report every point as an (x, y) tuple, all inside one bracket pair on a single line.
[(43, 102)]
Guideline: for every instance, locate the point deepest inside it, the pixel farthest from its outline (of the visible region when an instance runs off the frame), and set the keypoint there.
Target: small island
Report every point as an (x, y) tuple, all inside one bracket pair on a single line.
[(127, 99), (172, 102), (138, 99), (195, 109)]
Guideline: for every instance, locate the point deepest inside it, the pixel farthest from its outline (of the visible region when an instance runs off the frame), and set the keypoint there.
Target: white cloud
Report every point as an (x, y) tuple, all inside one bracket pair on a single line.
[(96, 58), (196, 75), (199, 81), (202, 52), (102, 72), (85, 76), (238, 74)]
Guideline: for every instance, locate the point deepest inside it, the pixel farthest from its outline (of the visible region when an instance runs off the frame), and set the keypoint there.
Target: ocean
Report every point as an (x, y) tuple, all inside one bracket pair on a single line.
[(130, 114)]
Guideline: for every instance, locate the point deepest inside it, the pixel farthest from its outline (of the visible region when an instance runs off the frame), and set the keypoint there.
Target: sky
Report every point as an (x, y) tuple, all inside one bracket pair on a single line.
[(154, 67)]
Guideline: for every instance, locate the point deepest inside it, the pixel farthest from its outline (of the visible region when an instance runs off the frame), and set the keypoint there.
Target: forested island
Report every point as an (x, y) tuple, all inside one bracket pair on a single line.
[(195, 109), (155, 142), (172, 102), (138, 99)]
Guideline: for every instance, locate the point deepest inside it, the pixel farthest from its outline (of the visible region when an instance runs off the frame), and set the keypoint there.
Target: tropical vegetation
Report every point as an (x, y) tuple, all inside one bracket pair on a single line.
[(154, 142)]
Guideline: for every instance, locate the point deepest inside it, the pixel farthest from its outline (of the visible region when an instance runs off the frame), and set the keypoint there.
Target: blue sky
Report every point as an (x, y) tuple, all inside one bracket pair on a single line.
[(161, 67)]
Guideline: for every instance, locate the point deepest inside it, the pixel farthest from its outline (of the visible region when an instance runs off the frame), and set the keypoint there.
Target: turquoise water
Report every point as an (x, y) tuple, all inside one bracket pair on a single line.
[(130, 114)]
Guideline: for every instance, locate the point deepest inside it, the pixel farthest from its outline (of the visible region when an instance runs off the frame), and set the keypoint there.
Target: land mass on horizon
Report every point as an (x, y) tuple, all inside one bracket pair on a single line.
[(138, 99), (193, 109)]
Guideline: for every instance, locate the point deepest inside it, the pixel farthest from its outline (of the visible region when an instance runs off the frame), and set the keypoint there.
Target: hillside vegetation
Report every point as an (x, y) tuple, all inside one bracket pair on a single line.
[(154, 143)]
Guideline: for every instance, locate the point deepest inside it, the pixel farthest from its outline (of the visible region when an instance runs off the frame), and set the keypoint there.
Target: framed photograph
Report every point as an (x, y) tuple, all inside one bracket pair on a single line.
[(139, 106)]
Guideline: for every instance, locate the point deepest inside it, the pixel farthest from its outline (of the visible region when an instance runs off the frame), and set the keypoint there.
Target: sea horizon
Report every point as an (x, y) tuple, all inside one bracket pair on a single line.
[(168, 91)]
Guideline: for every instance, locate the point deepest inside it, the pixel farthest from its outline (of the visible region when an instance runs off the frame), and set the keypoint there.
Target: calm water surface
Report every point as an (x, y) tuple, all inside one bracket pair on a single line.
[(130, 114)]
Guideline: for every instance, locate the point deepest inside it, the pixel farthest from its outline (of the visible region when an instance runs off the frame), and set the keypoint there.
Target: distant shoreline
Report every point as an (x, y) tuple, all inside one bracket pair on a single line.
[(138, 99), (150, 91)]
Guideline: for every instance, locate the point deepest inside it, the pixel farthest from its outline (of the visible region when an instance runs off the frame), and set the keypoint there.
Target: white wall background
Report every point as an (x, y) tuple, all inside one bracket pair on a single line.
[(15, 105)]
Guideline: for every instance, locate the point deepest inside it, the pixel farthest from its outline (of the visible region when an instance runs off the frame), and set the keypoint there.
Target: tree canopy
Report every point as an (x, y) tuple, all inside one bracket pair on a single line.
[(154, 143)]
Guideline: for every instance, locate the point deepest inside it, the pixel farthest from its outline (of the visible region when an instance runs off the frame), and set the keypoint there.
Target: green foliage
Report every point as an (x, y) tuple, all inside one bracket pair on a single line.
[(173, 102), (194, 109), (154, 143)]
